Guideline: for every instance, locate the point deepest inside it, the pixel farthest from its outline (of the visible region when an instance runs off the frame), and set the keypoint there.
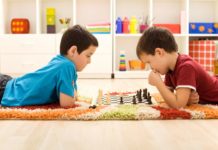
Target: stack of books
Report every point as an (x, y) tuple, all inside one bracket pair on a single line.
[(99, 28)]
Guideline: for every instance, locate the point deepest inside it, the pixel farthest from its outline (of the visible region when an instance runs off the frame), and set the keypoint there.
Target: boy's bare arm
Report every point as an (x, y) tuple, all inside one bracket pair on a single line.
[(175, 100), (66, 100)]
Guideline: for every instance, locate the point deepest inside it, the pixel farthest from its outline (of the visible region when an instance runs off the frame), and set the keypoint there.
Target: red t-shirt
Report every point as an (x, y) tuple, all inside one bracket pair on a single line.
[(189, 74)]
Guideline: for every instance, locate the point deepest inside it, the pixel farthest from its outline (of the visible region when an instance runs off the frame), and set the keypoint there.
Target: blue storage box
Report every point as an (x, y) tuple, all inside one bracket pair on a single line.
[(200, 28)]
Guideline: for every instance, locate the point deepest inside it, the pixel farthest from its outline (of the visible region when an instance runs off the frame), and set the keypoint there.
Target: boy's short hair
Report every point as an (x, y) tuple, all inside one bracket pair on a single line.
[(77, 36), (156, 37)]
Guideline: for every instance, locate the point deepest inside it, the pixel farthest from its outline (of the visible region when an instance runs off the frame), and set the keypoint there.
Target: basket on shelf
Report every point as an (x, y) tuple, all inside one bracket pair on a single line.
[(136, 65)]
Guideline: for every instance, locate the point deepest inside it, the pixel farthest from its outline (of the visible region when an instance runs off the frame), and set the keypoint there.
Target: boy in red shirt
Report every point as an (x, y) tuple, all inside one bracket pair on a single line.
[(185, 80)]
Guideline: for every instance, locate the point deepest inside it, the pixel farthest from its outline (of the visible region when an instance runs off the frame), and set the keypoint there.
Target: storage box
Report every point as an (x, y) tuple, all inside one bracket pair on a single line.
[(136, 65), (20, 25), (203, 51), (207, 28), (174, 28)]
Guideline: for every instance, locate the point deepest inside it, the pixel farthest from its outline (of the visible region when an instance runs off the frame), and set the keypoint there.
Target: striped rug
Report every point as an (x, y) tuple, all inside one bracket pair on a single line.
[(81, 111)]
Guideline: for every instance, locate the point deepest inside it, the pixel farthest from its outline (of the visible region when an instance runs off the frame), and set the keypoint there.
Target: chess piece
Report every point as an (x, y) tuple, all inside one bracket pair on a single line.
[(108, 98), (121, 100), (100, 94), (145, 92), (140, 96), (93, 106), (149, 99), (134, 100)]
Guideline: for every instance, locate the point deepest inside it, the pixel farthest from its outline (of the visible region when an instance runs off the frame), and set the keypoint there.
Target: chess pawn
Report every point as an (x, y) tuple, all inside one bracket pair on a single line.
[(134, 100), (108, 98), (100, 94), (121, 100)]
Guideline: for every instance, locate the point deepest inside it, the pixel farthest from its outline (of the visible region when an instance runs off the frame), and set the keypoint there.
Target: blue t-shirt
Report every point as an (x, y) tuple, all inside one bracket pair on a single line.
[(42, 86)]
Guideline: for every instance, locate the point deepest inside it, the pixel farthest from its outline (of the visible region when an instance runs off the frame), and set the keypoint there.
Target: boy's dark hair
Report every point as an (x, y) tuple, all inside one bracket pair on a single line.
[(156, 37), (79, 37)]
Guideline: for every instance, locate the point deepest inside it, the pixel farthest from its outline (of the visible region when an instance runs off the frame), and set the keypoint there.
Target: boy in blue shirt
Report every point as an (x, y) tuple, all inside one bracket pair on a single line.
[(55, 82)]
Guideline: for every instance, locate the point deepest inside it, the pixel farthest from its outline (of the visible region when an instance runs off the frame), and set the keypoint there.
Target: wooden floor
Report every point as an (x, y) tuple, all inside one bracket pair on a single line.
[(109, 135)]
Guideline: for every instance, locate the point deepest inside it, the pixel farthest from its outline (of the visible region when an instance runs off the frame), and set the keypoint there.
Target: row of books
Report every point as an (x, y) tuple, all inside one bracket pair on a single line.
[(99, 28)]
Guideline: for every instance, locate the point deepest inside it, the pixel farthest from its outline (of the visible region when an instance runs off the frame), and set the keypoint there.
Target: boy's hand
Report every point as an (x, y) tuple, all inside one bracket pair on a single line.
[(193, 98), (154, 78)]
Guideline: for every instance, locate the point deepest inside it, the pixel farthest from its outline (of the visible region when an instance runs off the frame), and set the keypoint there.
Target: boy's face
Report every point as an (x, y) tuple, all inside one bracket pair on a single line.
[(84, 58), (157, 62)]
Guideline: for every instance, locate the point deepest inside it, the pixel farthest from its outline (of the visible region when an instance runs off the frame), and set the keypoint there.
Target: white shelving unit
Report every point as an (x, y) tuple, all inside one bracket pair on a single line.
[(160, 12), (22, 53)]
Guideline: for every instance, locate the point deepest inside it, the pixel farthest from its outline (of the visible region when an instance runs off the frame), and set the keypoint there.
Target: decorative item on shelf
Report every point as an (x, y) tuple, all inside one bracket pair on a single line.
[(133, 25), (136, 65), (20, 25), (99, 28), (118, 25), (50, 18), (65, 22), (174, 28), (203, 27), (125, 24), (143, 24), (122, 65), (203, 51)]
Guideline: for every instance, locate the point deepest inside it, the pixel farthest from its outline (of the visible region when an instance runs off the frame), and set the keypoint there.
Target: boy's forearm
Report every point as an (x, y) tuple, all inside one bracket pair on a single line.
[(168, 95)]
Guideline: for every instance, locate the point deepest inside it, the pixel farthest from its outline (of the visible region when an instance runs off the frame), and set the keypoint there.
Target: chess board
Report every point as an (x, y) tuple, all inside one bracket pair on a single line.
[(127, 98)]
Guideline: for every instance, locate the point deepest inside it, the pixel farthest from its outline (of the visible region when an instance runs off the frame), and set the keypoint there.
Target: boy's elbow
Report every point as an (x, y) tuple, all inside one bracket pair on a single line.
[(66, 101), (177, 105), (71, 104)]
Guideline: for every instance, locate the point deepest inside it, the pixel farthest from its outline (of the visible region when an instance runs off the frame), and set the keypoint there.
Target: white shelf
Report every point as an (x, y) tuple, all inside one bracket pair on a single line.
[(203, 35), (83, 12)]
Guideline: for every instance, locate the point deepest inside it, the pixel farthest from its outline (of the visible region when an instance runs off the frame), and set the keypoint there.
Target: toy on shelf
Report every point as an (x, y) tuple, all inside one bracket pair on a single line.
[(119, 25), (50, 18), (133, 25), (203, 27), (20, 25), (136, 65), (125, 25), (65, 22), (122, 65), (143, 24)]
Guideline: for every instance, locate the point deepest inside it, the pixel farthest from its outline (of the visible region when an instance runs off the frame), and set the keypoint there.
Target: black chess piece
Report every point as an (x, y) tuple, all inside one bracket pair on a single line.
[(140, 96), (145, 92), (134, 100), (149, 99), (93, 106), (121, 100)]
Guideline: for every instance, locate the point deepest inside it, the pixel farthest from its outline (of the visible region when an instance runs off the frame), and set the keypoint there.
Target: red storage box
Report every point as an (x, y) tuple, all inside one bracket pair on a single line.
[(203, 51), (20, 25), (174, 28)]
